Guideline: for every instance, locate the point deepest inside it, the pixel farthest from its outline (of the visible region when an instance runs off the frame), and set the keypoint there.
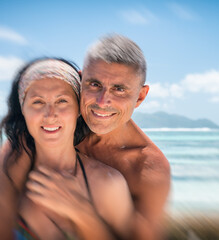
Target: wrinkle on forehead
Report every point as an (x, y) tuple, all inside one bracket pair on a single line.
[(112, 72)]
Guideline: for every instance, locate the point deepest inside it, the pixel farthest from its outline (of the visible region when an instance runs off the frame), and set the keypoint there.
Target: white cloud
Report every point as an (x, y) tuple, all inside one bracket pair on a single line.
[(182, 12), (214, 99), (207, 82), (9, 66), (158, 90), (176, 90), (137, 17), (149, 105), (11, 35), (163, 95)]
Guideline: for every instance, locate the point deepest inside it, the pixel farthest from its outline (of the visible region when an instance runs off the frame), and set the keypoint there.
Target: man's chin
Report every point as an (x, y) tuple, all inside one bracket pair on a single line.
[(100, 130)]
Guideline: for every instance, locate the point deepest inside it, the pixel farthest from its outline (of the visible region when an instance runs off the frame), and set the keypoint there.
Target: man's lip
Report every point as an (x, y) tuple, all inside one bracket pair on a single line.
[(102, 114)]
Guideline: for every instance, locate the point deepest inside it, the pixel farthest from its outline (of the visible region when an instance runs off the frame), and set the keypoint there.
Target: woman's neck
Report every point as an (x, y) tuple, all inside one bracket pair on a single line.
[(58, 158)]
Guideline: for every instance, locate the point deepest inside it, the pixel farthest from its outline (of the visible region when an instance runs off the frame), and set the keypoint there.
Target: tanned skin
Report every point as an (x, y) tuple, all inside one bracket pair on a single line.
[(110, 92)]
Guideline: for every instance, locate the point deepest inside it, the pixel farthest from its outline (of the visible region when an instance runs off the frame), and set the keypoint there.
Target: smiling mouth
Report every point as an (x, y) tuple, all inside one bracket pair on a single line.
[(51, 129), (102, 115)]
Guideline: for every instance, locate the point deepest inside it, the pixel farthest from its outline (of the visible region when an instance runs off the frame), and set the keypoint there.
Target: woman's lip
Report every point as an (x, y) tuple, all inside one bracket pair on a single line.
[(51, 129)]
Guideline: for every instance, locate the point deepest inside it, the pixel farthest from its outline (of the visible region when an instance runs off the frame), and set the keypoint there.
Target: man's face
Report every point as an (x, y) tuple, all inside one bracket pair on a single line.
[(110, 92)]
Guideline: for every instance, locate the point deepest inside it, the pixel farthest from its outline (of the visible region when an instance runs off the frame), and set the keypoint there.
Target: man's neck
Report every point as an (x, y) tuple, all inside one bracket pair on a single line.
[(119, 138)]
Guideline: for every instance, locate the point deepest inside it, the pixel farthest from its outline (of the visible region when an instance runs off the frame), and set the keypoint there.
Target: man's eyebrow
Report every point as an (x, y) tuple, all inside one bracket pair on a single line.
[(92, 80), (89, 80), (120, 86)]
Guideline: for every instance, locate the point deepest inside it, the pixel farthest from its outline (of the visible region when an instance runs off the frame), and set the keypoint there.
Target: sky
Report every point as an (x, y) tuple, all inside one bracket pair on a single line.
[(180, 41)]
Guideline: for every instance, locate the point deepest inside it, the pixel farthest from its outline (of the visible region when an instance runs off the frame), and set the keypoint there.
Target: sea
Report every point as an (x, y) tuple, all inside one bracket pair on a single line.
[(193, 155)]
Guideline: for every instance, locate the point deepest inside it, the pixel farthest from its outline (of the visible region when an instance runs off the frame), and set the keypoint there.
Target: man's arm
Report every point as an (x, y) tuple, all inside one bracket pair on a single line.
[(151, 195)]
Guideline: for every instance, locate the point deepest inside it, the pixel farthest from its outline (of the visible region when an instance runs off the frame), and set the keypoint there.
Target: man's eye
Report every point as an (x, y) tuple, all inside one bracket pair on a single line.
[(119, 89), (94, 84)]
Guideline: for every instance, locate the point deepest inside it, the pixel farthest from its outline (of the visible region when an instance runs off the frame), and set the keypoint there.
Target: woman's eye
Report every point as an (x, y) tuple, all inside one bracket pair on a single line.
[(62, 101), (37, 102)]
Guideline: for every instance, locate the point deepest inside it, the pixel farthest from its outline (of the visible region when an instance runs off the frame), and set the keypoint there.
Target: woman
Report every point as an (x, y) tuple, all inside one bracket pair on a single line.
[(57, 193)]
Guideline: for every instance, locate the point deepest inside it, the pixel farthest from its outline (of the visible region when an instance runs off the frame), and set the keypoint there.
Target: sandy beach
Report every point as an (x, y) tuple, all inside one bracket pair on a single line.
[(192, 226)]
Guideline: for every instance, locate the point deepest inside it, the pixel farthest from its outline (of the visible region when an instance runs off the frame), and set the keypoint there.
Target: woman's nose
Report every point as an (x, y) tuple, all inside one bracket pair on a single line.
[(50, 111)]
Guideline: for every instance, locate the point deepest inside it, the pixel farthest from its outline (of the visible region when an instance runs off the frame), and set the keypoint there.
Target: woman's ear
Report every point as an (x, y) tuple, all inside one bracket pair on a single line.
[(142, 95)]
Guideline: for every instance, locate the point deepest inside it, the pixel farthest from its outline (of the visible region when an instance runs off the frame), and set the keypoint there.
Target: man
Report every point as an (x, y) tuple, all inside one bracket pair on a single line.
[(113, 81)]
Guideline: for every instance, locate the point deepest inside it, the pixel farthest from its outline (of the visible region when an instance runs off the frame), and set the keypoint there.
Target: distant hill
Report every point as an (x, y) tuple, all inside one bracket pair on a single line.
[(162, 120)]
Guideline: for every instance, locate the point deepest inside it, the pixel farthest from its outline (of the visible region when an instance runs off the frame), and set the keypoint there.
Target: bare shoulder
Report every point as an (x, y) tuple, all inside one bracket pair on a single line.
[(155, 166), (154, 159), (151, 160), (98, 170), (4, 150), (17, 171)]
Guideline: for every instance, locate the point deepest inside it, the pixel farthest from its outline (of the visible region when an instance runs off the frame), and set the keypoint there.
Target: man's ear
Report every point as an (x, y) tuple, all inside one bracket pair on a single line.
[(142, 94)]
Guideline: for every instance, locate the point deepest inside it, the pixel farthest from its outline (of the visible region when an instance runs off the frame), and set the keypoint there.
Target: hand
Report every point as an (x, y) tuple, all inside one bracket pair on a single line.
[(59, 192), (63, 194)]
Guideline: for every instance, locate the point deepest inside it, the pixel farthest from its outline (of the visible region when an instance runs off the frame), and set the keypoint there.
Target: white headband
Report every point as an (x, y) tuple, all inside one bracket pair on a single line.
[(50, 68)]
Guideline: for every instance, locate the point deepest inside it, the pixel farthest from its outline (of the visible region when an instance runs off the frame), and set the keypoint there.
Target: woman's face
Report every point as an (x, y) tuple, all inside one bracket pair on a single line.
[(51, 110)]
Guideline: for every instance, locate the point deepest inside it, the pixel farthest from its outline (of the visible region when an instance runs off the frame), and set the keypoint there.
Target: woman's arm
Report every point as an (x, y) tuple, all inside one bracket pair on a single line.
[(10, 188), (7, 207), (7, 198)]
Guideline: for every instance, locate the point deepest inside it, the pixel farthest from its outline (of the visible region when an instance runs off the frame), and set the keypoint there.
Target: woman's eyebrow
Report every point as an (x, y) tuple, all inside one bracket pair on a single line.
[(67, 94), (64, 93), (35, 95)]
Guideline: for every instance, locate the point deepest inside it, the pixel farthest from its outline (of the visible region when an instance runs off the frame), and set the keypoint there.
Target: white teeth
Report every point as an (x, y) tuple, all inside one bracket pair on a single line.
[(103, 115), (50, 129)]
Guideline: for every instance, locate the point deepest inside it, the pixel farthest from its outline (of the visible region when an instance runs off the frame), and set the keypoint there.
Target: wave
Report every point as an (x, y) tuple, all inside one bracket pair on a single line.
[(205, 129), (195, 178)]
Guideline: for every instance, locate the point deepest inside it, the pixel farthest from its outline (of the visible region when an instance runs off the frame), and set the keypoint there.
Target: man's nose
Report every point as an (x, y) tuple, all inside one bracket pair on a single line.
[(103, 98)]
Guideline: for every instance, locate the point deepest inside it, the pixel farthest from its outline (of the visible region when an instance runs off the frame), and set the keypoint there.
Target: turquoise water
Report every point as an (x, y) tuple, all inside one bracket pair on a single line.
[(194, 161)]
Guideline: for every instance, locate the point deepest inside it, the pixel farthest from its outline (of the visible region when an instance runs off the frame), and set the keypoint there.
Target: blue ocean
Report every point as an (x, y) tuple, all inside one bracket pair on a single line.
[(194, 159)]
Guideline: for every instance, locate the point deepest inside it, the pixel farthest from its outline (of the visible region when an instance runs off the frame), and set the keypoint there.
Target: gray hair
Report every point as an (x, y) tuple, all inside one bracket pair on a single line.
[(118, 49)]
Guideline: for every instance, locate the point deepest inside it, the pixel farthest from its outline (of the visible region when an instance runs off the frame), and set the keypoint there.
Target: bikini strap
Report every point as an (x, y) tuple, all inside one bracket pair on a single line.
[(84, 175)]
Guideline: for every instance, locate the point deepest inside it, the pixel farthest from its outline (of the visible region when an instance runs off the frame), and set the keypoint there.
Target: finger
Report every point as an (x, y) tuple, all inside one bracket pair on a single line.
[(36, 197), (36, 187), (47, 171), (38, 178)]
